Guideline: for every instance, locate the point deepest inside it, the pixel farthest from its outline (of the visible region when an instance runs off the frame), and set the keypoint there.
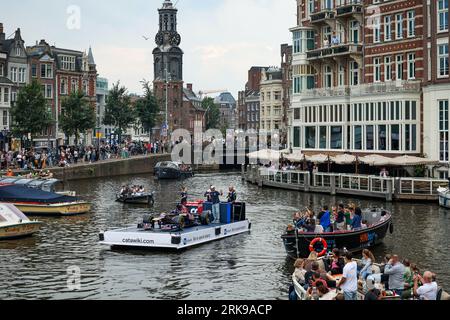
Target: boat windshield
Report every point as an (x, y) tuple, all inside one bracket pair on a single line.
[(168, 165), (9, 213)]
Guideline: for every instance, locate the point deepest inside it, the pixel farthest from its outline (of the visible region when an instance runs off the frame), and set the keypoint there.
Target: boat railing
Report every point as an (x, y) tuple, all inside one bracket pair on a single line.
[(299, 290)]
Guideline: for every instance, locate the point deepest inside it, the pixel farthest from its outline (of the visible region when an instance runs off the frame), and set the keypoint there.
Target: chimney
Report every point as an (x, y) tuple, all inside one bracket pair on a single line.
[(189, 87), (2, 34)]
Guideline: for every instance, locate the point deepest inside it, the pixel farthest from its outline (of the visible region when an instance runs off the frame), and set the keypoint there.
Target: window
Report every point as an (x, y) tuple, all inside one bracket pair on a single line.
[(18, 51), (377, 70), (2, 67), (326, 34), (387, 28), (63, 86), (411, 23), (327, 4), (443, 60), (354, 73), (354, 31), (336, 138), (46, 71), (399, 68), (85, 87), (68, 63), (297, 41), (369, 138), (297, 114), (310, 137), (34, 70), (310, 7), (443, 129), (382, 138), (411, 66), (395, 137), (6, 95), (5, 117), (328, 76), (22, 78), (13, 76), (296, 137), (323, 138), (410, 137), (47, 91), (358, 138), (442, 15), (399, 26), (377, 30), (341, 75), (297, 84), (74, 86), (387, 68)]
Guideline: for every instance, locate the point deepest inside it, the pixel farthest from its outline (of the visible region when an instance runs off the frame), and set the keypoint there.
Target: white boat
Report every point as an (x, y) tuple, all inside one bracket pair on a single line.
[(14, 224), (444, 197), (178, 235)]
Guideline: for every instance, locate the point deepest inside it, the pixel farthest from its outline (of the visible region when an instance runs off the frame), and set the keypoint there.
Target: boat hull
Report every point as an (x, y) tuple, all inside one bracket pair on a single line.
[(21, 230), (135, 238), (63, 209), (298, 247), (444, 200), (171, 174), (148, 199)]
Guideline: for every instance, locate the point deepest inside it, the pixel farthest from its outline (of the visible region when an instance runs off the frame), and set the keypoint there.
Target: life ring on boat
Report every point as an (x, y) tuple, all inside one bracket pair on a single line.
[(324, 243)]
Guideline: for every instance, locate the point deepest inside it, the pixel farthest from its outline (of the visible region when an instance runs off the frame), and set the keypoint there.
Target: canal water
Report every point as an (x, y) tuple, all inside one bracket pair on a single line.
[(250, 266)]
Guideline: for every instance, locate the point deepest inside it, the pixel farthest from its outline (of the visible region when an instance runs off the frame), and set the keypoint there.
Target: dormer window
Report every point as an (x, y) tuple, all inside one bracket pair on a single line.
[(68, 63), (18, 51)]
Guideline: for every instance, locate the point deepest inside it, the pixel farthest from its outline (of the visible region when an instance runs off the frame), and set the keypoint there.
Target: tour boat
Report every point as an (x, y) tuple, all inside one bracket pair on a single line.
[(171, 170), (38, 202), (444, 197), (14, 224), (45, 184), (139, 198), (299, 244), (176, 232)]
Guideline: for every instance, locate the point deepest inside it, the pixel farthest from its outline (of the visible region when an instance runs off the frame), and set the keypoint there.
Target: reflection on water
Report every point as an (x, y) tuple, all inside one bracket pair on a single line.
[(248, 266)]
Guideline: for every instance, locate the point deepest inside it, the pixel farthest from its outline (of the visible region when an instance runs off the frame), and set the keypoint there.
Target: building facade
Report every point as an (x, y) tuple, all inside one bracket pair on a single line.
[(103, 132), (228, 110), (192, 104), (286, 71), (62, 72), (358, 67), (436, 90), (271, 100)]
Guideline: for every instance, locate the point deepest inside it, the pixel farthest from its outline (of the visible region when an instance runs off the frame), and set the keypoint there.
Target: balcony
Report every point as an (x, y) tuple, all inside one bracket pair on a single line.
[(350, 9), (320, 17), (405, 86), (340, 50)]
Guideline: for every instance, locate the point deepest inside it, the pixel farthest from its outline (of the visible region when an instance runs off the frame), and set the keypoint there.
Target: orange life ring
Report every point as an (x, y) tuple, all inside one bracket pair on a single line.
[(324, 243)]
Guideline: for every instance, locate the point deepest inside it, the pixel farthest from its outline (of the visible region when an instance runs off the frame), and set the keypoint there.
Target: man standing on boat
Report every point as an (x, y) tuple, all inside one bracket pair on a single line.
[(325, 219), (349, 281), (215, 199), (232, 196), (395, 270)]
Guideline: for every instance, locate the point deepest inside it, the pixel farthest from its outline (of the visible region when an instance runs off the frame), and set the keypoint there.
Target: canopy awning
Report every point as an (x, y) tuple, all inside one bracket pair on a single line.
[(10, 214), (296, 156), (406, 161), (344, 159), (266, 154), (318, 158), (376, 160)]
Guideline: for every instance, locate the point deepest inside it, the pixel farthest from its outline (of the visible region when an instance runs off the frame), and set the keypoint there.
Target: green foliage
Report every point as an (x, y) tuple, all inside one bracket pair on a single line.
[(77, 115), (30, 113), (147, 109), (119, 112), (212, 114), (419, 171)]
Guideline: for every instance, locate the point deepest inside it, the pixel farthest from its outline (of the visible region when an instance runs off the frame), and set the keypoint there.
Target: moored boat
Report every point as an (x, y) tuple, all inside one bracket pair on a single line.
[(299, 244), (444, 197), (38, 202), (14, 224), (172, 170), (178, 231)]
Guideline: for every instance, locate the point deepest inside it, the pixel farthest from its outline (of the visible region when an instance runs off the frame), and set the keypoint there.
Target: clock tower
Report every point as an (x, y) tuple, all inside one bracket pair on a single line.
[(168, 67)]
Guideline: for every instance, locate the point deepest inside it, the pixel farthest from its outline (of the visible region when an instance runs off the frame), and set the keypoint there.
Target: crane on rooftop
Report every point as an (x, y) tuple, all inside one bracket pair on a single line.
[(208, 92)]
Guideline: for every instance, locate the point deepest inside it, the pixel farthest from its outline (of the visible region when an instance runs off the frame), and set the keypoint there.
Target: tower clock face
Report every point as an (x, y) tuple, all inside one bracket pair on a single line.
[(175, 39), (159, 39)]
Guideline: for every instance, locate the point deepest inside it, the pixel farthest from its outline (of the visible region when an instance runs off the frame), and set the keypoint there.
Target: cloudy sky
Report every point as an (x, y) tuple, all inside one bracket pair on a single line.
[(221, 39)]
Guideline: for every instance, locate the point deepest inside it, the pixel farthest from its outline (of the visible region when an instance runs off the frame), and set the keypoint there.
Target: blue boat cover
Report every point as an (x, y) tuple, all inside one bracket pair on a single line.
[(17, 193)]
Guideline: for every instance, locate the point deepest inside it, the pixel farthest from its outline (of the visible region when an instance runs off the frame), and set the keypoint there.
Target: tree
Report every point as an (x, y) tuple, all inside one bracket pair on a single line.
[(77, 115), (212, 113), (30, 114), (147, 109), (119, 112)]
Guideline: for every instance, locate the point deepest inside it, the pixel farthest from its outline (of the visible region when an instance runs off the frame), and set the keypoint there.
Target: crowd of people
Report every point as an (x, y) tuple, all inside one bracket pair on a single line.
[(42, 158), (340, 277), (213, 196), (131, 191), (339, 218)]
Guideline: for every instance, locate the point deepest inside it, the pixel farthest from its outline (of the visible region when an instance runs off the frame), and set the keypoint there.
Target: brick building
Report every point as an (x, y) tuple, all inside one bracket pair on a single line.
[(249, 101), (286, 71), (358, 68), (61, 72)]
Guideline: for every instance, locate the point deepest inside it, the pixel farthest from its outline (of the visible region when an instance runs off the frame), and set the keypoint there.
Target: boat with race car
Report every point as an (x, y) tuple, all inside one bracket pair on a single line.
[(187, 226)]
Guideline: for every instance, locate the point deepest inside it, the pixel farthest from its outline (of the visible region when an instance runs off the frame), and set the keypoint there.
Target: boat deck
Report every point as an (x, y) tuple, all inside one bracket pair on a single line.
[(180, 232)]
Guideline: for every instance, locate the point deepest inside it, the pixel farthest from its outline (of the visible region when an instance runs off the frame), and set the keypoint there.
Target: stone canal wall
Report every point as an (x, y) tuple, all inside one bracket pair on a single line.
[(119, 167)]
